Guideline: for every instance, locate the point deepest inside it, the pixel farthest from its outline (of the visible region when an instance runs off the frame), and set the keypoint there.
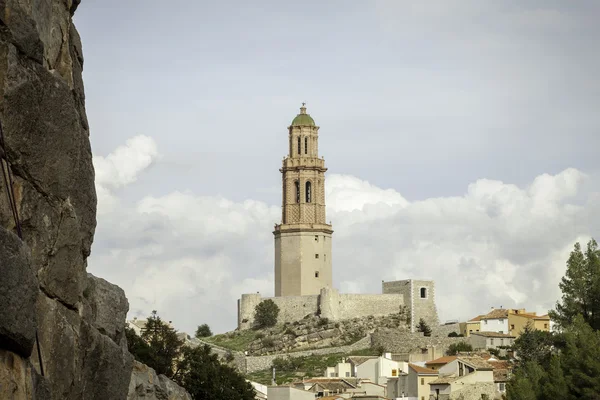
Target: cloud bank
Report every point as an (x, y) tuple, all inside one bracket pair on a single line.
[(190, 256)]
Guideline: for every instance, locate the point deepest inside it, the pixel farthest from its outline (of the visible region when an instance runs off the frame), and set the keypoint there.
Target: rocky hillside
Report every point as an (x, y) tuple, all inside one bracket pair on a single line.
[(44, 290), (309, 333)]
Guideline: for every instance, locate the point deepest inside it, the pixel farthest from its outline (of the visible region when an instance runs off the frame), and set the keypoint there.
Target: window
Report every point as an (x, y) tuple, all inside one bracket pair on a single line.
[(501, 387), (316, 238), (512, 326), (316, 274), (423, 293), (297, 184), (347, 374), (305, 145), (501, 320), (299, 145), (317, 255), (545, 326), (308, 191), (324, 257), (422, 381), (394, 372), (492, 341), (331, 374), (485, 321)]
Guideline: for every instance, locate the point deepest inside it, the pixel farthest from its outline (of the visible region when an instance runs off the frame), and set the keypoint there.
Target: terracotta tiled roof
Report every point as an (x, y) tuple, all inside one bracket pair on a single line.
[(501, 375), (493, 334), (340, 385), (441, 360), (422, 370), (357, 360), (477, 362), (443, 380), (496, 314), (476, 319), (542, 317)]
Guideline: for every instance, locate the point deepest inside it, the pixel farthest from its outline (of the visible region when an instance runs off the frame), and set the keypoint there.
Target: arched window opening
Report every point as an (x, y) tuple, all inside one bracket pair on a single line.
[(308, 192), (299, 145), (305, 145), (423, 293), (297, 184)]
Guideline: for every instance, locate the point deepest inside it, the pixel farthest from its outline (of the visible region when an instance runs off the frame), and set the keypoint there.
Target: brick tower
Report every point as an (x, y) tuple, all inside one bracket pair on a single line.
[(303, 239)]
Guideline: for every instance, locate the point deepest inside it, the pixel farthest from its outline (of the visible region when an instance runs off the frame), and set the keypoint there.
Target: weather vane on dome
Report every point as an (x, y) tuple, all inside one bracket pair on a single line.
[(303, 104)]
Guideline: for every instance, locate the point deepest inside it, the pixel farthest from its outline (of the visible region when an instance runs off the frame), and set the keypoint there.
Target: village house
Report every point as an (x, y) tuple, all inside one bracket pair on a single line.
[(505, 320), (490, 340), (472, 325), (439, 362), (467, 376), (413, 385), (288, 393)]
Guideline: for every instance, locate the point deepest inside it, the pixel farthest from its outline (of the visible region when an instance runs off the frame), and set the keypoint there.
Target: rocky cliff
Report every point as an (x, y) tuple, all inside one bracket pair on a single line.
[(44, 288)]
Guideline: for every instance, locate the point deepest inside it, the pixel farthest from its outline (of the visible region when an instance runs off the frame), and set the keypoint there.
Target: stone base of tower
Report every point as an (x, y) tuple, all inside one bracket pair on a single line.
[(302, 259)]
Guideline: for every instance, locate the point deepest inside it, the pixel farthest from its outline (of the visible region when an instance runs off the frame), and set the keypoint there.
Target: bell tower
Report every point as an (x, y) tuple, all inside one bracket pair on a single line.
[(303, 239)]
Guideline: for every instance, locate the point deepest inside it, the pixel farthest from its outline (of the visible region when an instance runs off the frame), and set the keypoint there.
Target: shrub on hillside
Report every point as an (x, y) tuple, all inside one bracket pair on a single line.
[(322, 321), (266, 313), (203, 331), (455, 348)]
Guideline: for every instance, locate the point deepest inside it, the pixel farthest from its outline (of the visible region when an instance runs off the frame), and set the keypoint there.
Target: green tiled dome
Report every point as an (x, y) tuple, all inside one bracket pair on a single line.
[(303, 119)]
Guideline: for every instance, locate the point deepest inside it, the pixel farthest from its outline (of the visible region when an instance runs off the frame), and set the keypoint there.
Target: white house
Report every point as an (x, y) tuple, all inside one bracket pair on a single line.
[(379, 369), (341, 370), (495, 321)]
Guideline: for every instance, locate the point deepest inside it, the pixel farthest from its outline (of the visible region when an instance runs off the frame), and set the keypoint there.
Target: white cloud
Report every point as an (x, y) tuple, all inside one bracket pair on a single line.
[(121, 168), (191, 256)]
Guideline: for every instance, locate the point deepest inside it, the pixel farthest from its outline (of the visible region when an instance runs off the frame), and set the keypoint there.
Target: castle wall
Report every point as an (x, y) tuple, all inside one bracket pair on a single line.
[(419, 306), (330, 304), (336, 306), (291, 308)]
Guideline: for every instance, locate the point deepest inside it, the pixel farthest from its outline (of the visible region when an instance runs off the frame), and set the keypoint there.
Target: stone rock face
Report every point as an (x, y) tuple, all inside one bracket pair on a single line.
[(146, 385), (79, 318), (18, 293), (105, 307), (19, 380)]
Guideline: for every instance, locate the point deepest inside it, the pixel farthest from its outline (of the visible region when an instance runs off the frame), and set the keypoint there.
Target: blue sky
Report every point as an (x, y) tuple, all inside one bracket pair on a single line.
[(419, 99)]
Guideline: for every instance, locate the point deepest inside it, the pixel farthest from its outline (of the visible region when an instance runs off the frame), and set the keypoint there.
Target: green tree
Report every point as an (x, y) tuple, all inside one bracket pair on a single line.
[(138, 347), (204, 377), (164, 344), (455, 348), (534, 345), (158, 346), (203, 331), (423, 327), (266, 313), (580, 287)]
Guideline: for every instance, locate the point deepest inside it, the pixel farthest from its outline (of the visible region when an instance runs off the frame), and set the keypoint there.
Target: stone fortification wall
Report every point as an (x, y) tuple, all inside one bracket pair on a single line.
[(259, 363), (405, 342), (419, 297), (336, 306), (291, 308), (329, 304)]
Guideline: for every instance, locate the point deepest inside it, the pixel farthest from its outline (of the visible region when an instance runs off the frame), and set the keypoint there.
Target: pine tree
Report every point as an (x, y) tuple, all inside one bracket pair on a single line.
[(580, 287), (163, 345), (423, 327)]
